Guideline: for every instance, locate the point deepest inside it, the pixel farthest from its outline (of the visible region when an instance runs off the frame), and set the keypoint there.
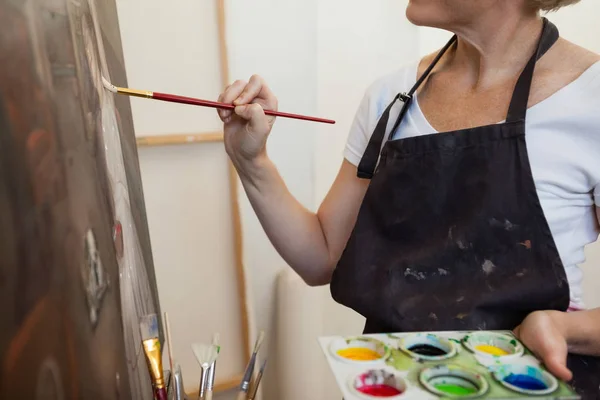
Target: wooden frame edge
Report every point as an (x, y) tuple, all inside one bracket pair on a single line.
[(233, 193), (178, 139)]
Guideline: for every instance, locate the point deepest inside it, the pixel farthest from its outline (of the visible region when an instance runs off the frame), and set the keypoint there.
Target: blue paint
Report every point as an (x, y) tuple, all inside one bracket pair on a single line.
[(525, 382)]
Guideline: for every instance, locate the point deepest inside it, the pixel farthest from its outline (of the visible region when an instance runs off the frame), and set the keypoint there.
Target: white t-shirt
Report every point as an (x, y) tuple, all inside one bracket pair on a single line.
[(563, 143)]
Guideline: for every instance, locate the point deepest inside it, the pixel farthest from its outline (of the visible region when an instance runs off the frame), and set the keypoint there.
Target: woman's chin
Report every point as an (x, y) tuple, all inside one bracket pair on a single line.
[(418, 15), (438, 13)]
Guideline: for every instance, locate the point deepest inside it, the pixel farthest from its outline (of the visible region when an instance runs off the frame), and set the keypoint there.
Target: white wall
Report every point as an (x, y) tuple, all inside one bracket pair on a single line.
[(278, 40)]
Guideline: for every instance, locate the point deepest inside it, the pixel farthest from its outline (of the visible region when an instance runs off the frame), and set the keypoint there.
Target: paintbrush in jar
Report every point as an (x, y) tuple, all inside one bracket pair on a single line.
[(151, 345), (254, 389), (244, 385), (210, 384), (198, 102), (168, 337), (206, 356)]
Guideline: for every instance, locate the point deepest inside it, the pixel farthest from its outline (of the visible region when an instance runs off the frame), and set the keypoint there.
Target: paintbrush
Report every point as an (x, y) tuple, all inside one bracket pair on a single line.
[(151, 345), (199, 102), (254, 389), (250, 368), (212, 369), (169, 344), (206, 356)]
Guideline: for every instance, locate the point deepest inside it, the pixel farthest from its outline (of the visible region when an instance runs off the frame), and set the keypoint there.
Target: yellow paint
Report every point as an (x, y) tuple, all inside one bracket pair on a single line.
[(493, 350), (359, 354)]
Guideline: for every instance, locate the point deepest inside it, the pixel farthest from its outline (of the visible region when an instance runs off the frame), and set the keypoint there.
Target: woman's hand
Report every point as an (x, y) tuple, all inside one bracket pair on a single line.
[(542, 332), (247, 127)]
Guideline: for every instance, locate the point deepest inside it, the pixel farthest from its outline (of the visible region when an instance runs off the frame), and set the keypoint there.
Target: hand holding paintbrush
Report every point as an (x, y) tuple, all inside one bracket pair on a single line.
[(199, 102)]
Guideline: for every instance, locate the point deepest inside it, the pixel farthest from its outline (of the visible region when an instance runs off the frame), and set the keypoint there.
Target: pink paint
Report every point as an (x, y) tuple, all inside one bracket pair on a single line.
[(379, 390)]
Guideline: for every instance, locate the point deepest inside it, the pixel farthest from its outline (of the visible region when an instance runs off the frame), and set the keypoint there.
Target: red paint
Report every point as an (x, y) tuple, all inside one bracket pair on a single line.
[(118, 239), (206, 103), (379, 391)]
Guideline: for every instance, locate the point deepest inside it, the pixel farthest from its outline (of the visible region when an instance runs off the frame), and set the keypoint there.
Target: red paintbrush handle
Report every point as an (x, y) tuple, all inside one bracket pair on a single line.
[(161, 394), (206, 103)]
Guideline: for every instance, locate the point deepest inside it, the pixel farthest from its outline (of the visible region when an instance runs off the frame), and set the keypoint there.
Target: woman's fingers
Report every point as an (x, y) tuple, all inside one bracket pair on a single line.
[(231, 93), (257, 89)]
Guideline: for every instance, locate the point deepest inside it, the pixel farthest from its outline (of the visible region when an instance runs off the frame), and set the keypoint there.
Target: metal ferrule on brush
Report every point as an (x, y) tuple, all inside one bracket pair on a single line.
[(248, 374), (136, 93), (154, 361)]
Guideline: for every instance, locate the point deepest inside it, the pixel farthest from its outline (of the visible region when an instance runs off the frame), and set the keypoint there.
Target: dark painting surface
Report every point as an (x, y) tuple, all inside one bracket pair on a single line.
[(75, 260)]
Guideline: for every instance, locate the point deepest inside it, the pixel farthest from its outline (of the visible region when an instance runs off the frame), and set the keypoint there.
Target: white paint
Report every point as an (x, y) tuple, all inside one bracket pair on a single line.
[(109, 86)]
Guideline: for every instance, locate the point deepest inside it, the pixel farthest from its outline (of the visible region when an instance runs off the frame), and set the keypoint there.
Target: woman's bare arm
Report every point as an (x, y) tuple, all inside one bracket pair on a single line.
[(311, 243)]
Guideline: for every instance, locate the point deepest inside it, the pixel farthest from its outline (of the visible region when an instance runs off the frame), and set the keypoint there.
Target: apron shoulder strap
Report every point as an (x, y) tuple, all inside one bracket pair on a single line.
[(368, 162), (520, 98)]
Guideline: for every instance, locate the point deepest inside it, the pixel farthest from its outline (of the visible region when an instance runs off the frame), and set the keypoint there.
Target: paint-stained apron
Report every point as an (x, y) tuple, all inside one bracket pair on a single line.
[(451, 234)]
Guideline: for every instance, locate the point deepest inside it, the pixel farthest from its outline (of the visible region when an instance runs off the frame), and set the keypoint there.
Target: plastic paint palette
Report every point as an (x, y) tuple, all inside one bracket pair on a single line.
[(440, 365)]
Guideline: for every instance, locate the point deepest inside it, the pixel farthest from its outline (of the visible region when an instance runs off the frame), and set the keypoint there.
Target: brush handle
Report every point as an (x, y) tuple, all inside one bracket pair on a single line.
[(208, 396), (207, 103), (161, 394)]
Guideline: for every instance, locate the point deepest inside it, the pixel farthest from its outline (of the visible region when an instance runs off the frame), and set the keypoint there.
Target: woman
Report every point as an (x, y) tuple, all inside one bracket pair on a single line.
[(480, 226)]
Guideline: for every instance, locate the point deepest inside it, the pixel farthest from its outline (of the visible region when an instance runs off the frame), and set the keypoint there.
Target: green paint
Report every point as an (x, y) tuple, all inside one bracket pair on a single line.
[(513, 342), (455, 390)]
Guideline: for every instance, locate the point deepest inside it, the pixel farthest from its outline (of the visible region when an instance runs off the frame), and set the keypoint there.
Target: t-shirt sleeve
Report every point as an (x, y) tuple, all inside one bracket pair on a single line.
[(374, 102), (594, 142), (360, 133)]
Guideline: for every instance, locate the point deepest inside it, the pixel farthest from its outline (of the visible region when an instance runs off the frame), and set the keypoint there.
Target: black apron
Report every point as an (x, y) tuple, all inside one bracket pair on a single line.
[(451, 234)]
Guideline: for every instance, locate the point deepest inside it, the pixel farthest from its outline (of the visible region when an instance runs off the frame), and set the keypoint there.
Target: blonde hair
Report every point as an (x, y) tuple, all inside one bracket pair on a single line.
[(550, 5)]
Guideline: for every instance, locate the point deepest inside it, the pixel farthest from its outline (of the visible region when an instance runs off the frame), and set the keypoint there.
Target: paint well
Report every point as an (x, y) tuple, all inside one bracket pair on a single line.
[(359, 354), (427, 350), (455, 390), (492, 350), (379, 391), (525, 382)]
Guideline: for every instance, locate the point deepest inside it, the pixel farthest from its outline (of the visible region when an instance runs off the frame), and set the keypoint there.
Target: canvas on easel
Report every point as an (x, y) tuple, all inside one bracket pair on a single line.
[(76, 271)]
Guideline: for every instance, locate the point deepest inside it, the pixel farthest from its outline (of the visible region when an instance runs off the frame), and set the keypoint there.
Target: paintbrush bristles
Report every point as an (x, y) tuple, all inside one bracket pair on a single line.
[(259, 341), (149, 326)]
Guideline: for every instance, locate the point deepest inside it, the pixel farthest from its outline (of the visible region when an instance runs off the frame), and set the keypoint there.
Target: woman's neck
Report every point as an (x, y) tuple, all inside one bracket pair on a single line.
[(494, 51)]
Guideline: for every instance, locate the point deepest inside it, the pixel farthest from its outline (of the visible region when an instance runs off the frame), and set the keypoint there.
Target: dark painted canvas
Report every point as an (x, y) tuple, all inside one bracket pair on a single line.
[(76, 269)]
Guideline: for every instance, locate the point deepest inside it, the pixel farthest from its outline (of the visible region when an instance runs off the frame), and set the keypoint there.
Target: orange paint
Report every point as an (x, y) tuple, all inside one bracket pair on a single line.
[(526, 244), (359, 354)]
